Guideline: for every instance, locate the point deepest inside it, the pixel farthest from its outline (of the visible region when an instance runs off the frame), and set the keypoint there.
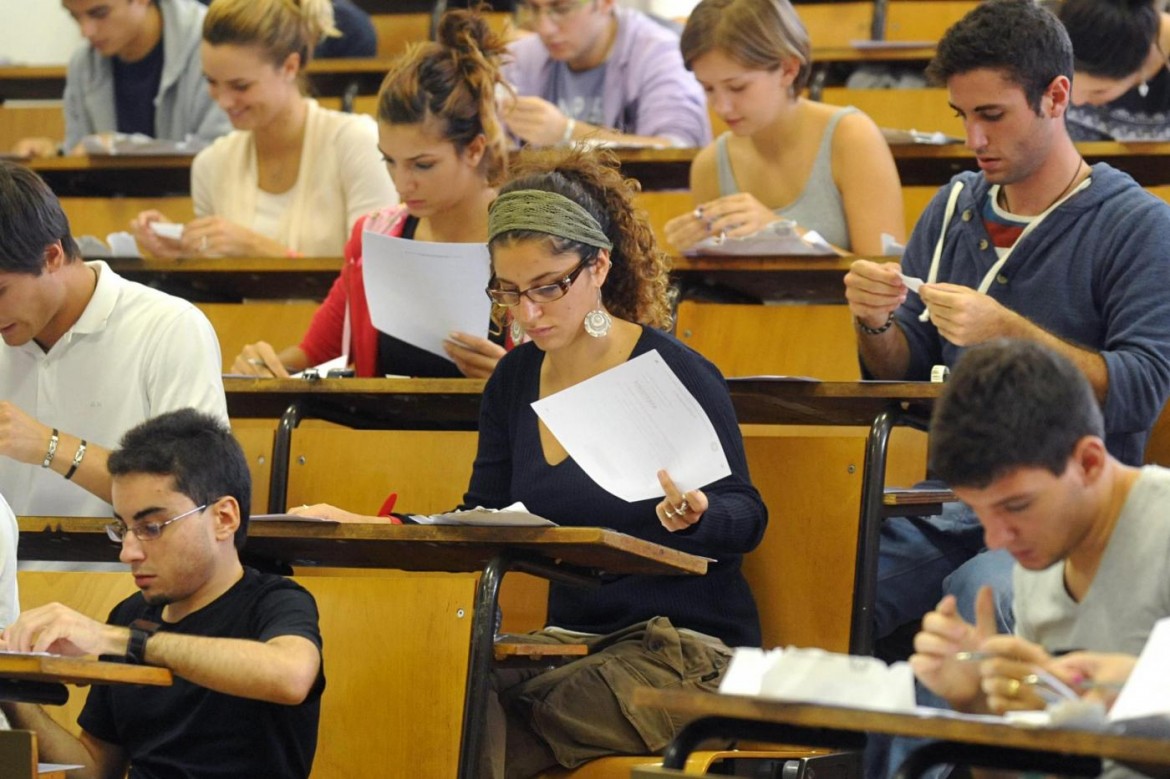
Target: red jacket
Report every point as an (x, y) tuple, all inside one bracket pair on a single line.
[(322, 341)]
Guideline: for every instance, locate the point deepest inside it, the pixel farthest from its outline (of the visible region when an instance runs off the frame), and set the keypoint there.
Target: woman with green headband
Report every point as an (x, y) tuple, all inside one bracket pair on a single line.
[(576, 267)]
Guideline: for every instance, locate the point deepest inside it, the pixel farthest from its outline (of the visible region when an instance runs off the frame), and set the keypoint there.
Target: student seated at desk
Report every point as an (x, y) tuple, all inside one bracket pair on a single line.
[(293, 177), (1019, 435), (138, 72), (244, 647), (577, 266), (87, 355), (1039, 245), (596, 70), (1121, 91), (443, 146), (826, 168)]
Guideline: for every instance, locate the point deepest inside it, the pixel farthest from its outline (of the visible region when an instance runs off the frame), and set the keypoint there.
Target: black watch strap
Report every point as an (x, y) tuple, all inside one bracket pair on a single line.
[(140, 631)]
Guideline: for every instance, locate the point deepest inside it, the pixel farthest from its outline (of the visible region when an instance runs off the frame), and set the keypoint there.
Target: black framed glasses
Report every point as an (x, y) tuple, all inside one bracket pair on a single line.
[(542, 293), (145, 531)]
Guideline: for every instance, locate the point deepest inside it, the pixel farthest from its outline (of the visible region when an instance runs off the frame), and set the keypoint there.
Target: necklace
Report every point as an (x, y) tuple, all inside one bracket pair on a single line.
[(1080, 163)]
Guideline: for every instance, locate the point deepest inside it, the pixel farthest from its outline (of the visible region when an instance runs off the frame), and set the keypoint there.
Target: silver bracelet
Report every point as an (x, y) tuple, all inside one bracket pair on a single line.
[(570, 126), (76, 460), (863, 327), (54, 439)]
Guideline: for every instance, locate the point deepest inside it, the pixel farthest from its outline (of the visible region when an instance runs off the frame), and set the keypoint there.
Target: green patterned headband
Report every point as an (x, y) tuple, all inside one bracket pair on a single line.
[(544, 212)]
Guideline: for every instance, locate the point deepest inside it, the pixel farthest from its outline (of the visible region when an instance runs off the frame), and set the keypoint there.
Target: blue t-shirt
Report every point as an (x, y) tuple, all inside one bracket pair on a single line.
[(135, 88), (578, 93)]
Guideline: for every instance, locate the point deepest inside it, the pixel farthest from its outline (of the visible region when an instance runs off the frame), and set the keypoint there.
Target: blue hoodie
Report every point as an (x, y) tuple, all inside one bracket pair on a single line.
[(1095, 272)]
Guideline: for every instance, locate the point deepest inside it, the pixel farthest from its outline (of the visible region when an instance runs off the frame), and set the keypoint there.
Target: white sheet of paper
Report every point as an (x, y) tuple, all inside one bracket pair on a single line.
[(817, 676), (912, 283), (1144, 694), (516, 515), (778, 238), (625, 424), (172, 230), (420, 292)]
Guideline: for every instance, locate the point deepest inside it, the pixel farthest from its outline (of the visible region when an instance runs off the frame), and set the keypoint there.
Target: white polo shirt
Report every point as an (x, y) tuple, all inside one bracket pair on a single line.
[(133, 354)]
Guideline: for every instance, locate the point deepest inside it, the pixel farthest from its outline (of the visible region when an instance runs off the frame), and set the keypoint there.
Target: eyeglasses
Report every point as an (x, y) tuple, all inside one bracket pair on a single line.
[(529, 14), (544, 293), (146, 531)]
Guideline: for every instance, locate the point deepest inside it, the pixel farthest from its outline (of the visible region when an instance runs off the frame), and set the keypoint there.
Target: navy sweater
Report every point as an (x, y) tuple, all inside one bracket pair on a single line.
[(510, 466)]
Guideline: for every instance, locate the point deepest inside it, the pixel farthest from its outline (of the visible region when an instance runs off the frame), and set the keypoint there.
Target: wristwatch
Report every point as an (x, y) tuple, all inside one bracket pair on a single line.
[(140, 631)]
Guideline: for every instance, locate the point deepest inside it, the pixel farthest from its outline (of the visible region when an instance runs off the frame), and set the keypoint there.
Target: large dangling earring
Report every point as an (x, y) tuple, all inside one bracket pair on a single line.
[(517, 333), (598, 321)]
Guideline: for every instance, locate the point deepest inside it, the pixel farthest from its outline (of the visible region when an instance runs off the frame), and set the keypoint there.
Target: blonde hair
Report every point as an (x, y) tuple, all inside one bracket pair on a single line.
[(452, 81), (637, 288), (278, 27), (758, 34)]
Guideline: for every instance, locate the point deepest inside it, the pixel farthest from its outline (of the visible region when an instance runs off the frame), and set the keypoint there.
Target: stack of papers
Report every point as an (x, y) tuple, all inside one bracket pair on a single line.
[(120, 244), (515, 515), (779, 238), (137, 144)]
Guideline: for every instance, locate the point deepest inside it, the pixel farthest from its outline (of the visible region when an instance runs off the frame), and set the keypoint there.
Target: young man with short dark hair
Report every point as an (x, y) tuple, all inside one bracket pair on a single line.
[(87, 355), (244, 647), (1037, 245), (1018, 434), (138, 72)]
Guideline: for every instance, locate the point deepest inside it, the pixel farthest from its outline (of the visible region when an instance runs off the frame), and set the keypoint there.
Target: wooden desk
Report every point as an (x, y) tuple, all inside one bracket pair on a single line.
[(220, 280), (233, 280), (381, 404), (878, 405), (42, 679), (801, 279), (120, 175), (976, 743), (575, 555)]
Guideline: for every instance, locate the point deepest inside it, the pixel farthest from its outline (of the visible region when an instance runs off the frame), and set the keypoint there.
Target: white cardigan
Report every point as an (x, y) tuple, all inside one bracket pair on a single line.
[(341, 178)]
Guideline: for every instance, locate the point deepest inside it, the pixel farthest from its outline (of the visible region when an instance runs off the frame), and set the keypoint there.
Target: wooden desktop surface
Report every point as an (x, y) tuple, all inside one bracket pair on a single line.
[(79, 670), (377, 404), (1063, 740), (655, 169), (446, 548), (222, 280), (768, 401)]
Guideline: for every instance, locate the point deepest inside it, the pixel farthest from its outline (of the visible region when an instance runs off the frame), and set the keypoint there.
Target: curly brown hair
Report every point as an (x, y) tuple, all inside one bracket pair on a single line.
[(637, 287), (453, 81)]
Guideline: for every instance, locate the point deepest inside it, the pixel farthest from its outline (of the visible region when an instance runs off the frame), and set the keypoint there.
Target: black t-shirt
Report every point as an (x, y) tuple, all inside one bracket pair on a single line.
[(398, 358), (135, 88), (190, 731)]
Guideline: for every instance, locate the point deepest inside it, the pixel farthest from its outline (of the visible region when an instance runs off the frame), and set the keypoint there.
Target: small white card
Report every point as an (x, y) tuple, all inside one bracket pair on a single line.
[(912, 283), (172, 230)]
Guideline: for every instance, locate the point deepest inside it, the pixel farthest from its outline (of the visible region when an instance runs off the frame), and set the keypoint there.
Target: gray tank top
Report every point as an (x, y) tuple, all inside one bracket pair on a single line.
[(819, 207)]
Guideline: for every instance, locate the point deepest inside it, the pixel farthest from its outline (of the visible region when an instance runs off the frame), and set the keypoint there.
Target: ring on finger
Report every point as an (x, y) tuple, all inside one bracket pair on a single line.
[(666, 512), (1013, 688), (683, 507)]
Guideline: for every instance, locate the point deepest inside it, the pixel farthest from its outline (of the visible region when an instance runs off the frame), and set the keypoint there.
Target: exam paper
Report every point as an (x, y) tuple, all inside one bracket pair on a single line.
[(1144, 694), (779, 238), (420, 292), (516, 515), (624, 425)]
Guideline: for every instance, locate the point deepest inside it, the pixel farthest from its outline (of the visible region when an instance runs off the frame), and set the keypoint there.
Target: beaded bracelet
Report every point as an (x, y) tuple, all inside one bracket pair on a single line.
[(863, 327)]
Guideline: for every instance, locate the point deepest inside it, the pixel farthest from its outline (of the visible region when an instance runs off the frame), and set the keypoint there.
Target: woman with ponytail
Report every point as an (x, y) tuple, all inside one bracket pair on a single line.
[(1121, 89), (293, 176), (444, 147)]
